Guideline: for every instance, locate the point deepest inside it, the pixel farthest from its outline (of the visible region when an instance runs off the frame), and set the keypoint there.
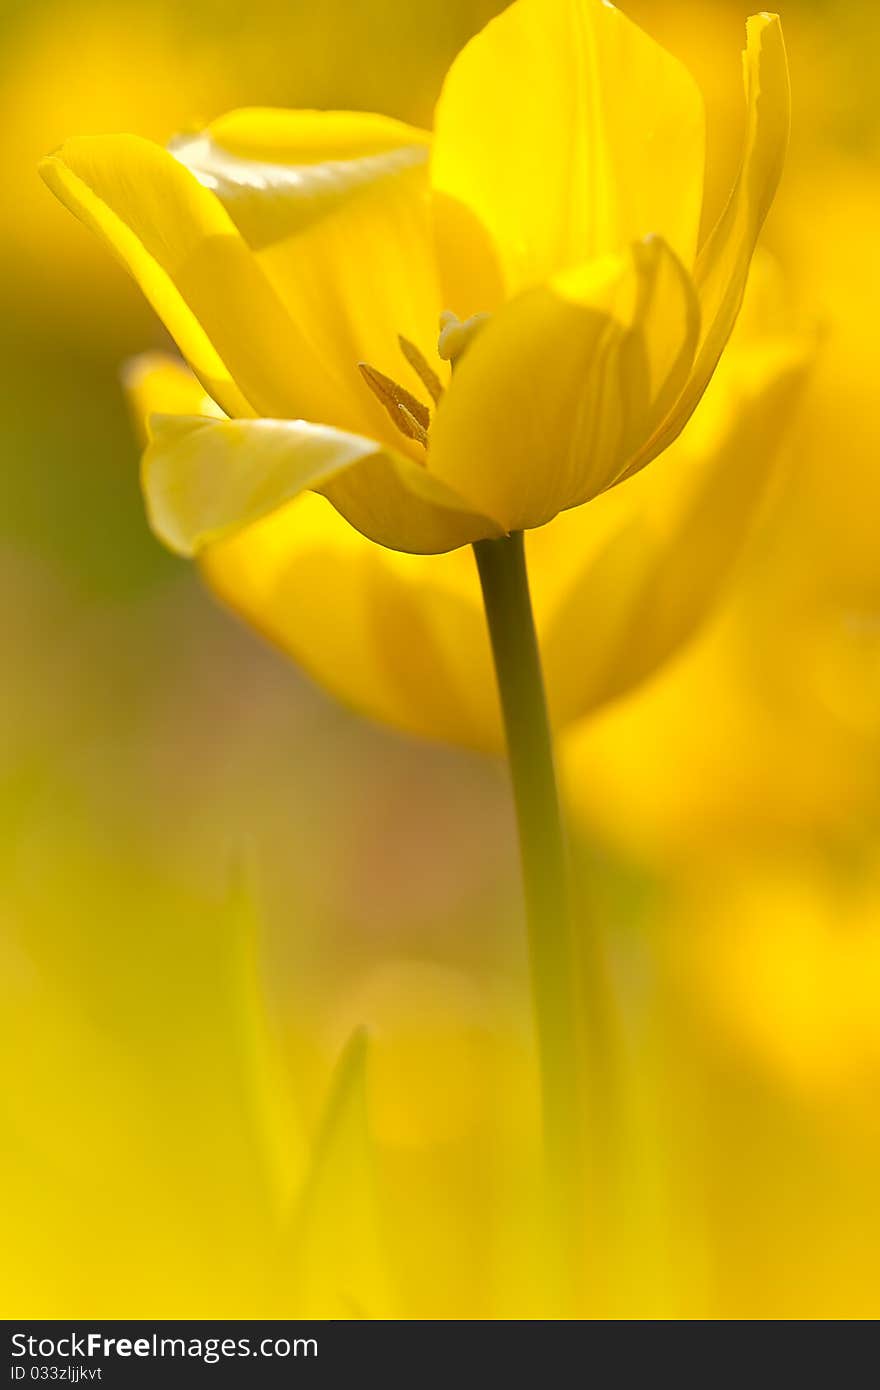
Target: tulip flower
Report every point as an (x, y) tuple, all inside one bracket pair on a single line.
[(617, 586), (301, 260), (550, 226)]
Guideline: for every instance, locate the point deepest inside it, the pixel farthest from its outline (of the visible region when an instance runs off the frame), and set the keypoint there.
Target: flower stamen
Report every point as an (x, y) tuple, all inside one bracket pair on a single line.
[(422, 368), (407, 413)]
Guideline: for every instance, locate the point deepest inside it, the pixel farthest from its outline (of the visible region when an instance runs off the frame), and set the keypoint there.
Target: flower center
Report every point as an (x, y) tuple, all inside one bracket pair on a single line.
[(408, 414)]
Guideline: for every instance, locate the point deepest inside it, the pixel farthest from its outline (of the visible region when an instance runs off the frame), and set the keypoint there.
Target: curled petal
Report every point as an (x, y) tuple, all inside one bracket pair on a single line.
[(722, 266), (277, 171), (184, 251), (156, 383), (205, 479), (335, 207)]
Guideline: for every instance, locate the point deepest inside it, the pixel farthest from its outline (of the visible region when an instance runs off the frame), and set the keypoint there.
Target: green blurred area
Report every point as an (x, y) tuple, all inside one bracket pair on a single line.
[(149, 746)]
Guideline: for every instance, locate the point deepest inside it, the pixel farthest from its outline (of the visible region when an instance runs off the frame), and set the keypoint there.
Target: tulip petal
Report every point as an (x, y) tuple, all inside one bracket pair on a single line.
[(204, 479), (558, 390), (278, 171), (197, 272), (722, 266), (564, 132), (401, 505), (656, 553), (156, 383), (335, 207), (399, 638), (618, 587)]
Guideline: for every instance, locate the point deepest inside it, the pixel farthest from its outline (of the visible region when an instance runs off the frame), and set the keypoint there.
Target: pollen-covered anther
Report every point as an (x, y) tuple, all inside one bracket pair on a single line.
[(406, 411), (422, 368)]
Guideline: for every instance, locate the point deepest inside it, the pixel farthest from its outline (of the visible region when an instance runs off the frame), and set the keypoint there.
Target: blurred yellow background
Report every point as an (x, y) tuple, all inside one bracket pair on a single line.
[(210, 873)]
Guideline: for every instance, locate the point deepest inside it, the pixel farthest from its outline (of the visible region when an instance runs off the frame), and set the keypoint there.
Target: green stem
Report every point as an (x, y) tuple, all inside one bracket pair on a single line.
[(502, 567)]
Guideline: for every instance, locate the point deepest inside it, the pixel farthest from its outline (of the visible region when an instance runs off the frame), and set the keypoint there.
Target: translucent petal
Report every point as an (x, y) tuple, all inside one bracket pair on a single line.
[(201, 278), (207, 478), (563, 132), (157, 383), (618, 586), (400, 638), (647, 562), (554, 396), (722, 266), (335, 207)]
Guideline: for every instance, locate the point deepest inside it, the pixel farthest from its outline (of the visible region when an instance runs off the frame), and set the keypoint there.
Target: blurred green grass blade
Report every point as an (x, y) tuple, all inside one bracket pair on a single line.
[(280, 1153), (335, 1243)]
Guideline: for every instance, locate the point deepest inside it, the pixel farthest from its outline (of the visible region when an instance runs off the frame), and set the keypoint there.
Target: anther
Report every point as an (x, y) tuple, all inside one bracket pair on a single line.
[(406, 411), (422, 368)]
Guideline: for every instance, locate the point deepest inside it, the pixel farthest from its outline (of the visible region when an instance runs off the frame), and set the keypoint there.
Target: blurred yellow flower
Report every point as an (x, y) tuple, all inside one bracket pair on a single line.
[(786, 956), (790, 750), (552, 221)]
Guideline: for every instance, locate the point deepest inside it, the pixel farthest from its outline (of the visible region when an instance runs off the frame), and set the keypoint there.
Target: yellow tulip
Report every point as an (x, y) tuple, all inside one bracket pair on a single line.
[(617, 586), (302, 260)]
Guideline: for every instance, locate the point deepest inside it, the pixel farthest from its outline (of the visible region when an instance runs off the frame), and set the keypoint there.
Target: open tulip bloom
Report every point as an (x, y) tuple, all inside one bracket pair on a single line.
[(454, 338)]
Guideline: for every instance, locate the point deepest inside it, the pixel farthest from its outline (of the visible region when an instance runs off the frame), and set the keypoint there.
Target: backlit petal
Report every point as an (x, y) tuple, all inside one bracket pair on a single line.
[(335, 207), (564, 132), (205, 479), (618, 587), (158, 384), (399, 638), (559, 389), (400, 504), (646, 562), (196, 270), (722, 266)]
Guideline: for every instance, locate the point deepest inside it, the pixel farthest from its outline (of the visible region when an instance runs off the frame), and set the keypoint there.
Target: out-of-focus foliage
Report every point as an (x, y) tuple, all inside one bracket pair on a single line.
[(169, 1048)]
